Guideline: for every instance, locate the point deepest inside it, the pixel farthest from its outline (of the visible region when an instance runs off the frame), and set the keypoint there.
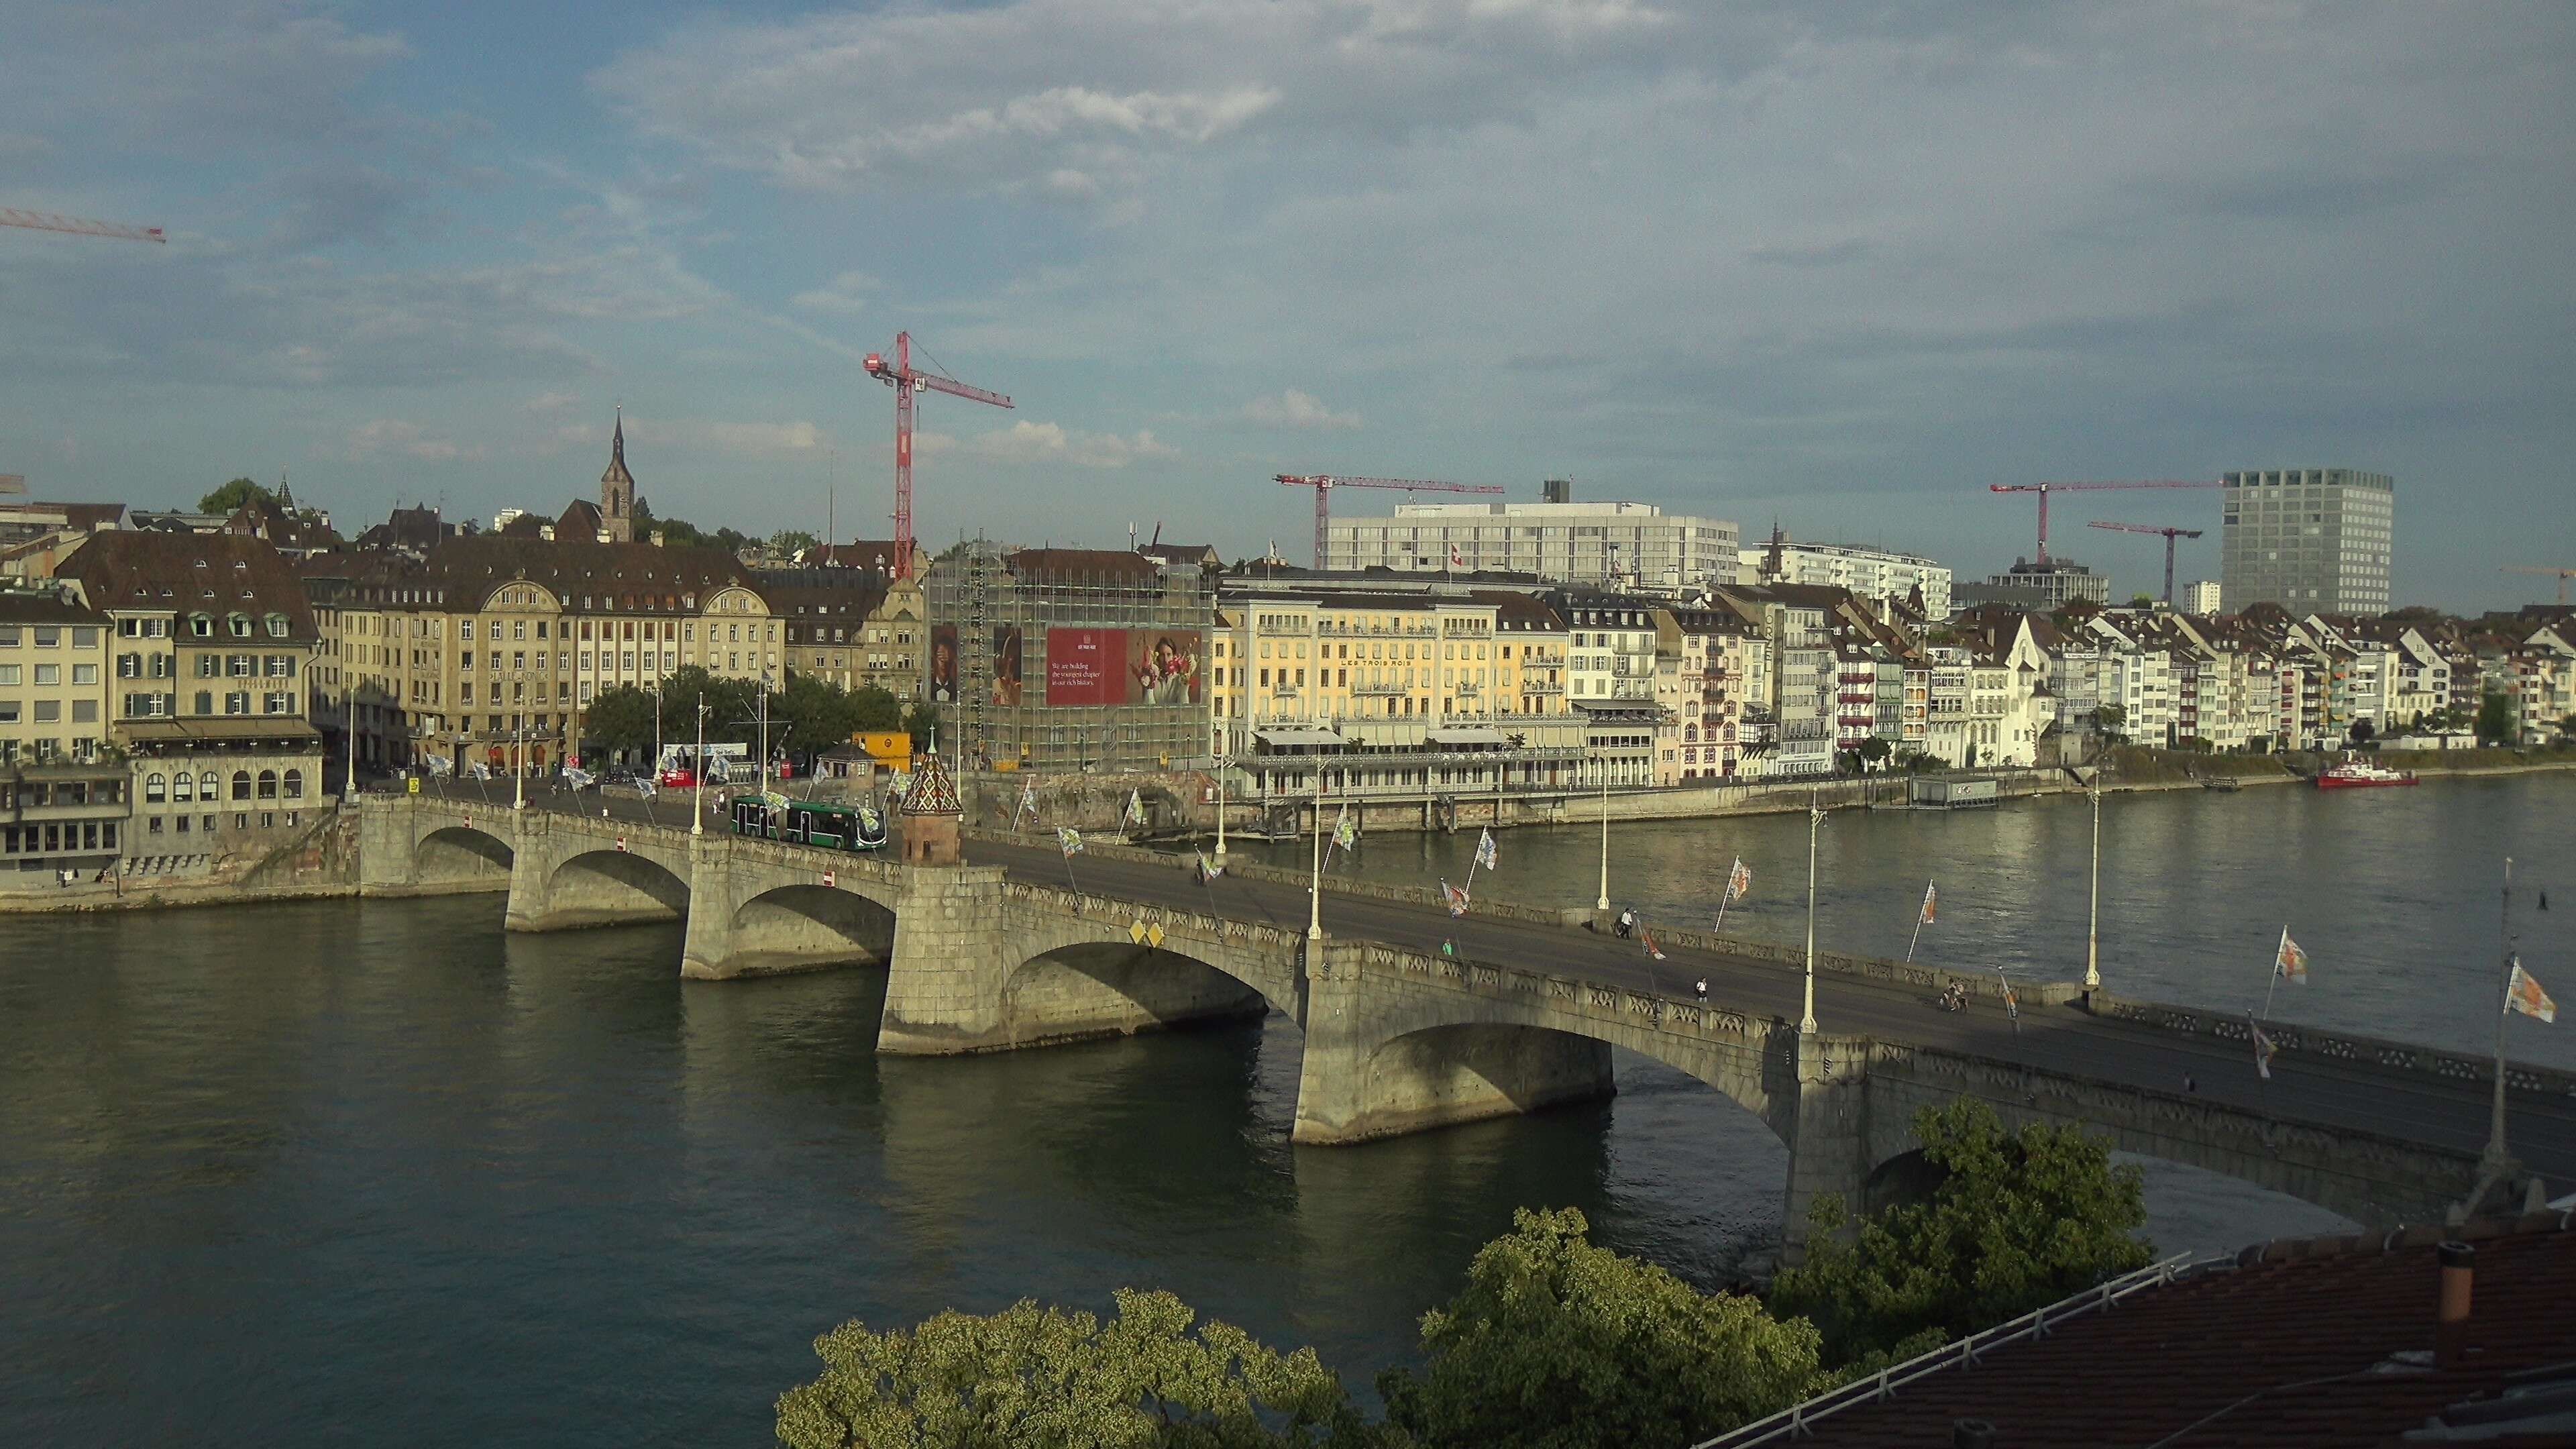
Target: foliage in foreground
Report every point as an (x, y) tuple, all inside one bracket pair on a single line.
[(2018, 1222), (1561, 1344), (1040, 1378)]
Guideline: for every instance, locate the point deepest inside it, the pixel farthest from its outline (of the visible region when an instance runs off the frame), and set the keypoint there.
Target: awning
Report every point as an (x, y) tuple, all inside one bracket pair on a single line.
[(224, 729), (1477, 735), (1299, 739)]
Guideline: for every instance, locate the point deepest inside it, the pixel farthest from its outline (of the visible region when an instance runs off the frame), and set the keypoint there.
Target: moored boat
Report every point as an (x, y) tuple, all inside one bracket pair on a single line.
[(2352, 774)]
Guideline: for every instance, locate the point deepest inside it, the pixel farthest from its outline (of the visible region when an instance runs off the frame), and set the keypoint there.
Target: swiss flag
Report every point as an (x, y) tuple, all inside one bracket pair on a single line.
[(1457, 560)]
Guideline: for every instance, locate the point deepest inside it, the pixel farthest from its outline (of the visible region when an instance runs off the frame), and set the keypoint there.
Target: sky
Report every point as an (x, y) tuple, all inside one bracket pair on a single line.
[(1837, 267)]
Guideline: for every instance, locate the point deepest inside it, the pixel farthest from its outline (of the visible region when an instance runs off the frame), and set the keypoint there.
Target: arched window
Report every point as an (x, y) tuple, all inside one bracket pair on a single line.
[(187, 788), (268, 784), (295, 784), (209, 786), (241, 784), (156, 788)]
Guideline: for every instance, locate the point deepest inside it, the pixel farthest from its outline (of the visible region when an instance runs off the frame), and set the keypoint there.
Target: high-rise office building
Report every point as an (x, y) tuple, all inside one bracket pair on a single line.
[(2200, 596), (2313, 540)]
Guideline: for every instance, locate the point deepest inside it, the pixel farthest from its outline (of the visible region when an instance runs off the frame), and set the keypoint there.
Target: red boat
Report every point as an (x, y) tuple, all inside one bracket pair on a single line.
[(2361, 774)]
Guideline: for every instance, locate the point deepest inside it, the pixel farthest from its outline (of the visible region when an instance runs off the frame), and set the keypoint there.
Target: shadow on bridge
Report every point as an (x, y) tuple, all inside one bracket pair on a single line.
[(608, 888), (802, 927), (463, 855)]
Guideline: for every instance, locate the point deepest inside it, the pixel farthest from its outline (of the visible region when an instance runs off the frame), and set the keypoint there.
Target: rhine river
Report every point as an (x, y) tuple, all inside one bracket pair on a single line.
[(342, 1173)]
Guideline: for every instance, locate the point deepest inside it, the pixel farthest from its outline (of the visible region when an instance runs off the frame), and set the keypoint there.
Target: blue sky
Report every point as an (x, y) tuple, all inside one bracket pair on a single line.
[(1838, 265)]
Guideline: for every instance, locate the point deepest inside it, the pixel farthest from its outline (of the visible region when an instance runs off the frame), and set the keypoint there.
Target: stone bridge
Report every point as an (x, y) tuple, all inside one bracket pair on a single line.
[(1401, 1039)]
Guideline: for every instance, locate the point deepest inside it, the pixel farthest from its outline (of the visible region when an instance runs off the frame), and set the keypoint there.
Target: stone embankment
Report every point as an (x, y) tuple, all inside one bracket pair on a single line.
[(319, 863)]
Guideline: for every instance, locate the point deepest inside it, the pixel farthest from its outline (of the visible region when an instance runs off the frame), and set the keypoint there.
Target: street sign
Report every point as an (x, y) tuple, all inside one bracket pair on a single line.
[(415, 784), (621, 842), (1154, 934), (828, 879)]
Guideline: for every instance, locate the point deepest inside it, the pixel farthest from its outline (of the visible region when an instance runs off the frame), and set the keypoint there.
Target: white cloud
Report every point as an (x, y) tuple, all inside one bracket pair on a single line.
[(1026, 442), (1296, 409), (401, 438), (850, 292), (760, 440)]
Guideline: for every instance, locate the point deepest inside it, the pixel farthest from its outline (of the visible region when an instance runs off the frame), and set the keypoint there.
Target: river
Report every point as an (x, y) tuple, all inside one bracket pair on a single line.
[(379, 1173)]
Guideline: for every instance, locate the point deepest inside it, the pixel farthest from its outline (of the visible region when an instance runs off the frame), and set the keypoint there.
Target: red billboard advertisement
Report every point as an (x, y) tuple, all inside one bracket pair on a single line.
[(1086, 666), (1162, 667)]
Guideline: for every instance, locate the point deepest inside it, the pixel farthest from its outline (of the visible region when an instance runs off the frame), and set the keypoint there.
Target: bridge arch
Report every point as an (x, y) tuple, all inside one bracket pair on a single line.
[(461, 853), (613, 887), (1117, 987), (797, 926)]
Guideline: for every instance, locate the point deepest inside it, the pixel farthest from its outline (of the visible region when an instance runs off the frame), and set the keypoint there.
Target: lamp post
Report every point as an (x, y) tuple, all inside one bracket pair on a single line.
[(2493, 1161), (698, 774), (2093, 917), (1315, 888), (1815, 820), (518, 762), (1603, 903), (349, 697)]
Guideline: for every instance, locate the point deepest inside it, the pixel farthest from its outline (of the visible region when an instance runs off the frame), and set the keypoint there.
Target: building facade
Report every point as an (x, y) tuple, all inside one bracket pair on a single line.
[(2048, 585), (63, 787), (2314, 540), (1635, 546), (1869, 573)]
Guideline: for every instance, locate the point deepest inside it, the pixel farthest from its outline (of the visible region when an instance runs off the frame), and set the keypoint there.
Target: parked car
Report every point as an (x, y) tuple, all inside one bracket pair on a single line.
[(678, 777)]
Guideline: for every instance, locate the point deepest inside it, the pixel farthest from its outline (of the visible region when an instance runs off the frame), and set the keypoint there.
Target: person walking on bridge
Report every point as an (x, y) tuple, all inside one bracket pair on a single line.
[(1627, 923)]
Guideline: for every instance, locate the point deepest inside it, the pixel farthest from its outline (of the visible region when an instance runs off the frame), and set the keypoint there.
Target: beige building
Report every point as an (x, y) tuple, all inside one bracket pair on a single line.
[(854, 627), (62, 784), (212, 644)]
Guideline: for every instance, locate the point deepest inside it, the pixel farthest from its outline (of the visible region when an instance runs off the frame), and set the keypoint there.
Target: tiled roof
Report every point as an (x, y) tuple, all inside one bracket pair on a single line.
[(2305, 1344), (48, 607), (187, 573)]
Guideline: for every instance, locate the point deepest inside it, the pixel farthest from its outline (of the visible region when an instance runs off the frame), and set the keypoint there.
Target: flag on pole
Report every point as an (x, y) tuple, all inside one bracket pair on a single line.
[(480, 770), (577, 778), (1457, 560), (1485, 854), (2263, 1050), (1456, 898), (1069, 838), (1739, 880), (1931, 902), (1208, 869), (2292, 960), (1028, 803), (2523, 994), (1136, 807), (1346, 831), (1648, 937)]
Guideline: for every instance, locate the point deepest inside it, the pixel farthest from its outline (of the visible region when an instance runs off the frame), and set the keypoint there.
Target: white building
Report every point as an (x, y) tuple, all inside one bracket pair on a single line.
[(1869, 573), (2200, 596), (1635, 546)]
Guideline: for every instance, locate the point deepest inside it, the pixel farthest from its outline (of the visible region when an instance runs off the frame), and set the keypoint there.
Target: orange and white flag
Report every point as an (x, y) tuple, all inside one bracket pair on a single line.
[(2291, 961), (1931, 900), (1739, 880), (2523, 994), (2263, 1052)]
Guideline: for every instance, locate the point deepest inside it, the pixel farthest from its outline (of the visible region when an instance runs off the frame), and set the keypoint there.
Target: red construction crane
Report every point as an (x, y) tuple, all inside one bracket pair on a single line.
[(1325, 483), (2563, 575), (2170, 535), (2044, 489), (905, 380), (47, 221)]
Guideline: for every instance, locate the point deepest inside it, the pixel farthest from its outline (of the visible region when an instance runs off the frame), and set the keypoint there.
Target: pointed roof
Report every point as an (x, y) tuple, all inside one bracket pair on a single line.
[(617, 454), (932, 792)]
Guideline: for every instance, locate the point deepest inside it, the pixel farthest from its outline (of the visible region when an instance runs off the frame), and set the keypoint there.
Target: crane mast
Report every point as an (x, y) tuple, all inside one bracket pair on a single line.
[(2170, 534), (1325, 483), (907, 381), (2044, 489)]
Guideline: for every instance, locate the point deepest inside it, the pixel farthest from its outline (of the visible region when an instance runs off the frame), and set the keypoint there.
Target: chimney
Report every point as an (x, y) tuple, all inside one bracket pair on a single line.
[(2451, 1308)]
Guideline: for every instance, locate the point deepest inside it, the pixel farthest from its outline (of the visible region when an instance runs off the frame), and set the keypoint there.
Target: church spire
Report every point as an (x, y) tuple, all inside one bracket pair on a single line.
[(617, 487)]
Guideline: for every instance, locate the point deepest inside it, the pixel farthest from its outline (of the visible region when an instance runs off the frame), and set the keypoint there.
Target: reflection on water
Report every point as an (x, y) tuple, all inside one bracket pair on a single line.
[(266, 1172)]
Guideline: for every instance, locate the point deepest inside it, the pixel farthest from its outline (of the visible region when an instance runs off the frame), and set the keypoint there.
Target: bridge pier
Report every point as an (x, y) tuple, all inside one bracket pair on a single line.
[(1828, 1132), (1359, 1080), (564, 875)]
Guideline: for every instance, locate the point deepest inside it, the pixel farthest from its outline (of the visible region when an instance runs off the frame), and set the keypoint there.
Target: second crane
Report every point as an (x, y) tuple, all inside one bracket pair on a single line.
[(1325, 483)]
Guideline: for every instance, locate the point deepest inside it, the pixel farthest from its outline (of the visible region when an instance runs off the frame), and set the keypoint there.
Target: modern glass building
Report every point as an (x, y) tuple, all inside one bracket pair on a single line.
[(2313, 540)]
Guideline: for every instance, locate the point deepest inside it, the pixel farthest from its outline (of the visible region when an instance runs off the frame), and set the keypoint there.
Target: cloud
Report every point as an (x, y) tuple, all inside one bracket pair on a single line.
[(1295, 409), (848, 293), (401, 438), (759, 440), (1025, 443)]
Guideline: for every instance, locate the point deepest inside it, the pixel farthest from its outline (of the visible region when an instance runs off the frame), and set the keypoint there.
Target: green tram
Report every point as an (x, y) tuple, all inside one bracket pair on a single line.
[(824, 823)]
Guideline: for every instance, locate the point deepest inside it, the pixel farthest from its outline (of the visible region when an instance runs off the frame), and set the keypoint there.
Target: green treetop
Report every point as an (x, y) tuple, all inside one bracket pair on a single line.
[(230, 498)]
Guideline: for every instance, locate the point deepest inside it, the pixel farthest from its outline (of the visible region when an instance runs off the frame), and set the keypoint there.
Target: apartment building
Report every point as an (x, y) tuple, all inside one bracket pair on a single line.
[(1713, 703), (213, 644), (63, 786), (856, 628), (1875, 574), (1636, 547)]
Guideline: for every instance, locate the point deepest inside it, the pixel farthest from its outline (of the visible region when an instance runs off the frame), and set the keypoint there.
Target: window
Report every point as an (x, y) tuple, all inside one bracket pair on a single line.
[(48, 711), (9, 674), (294, 781), (241, 785), (49, 674), (205, 704), (239, 624), (209, 788), (84, 674), (156, 788), (237, 702), (277, 626), (268, 784), (129, 666)]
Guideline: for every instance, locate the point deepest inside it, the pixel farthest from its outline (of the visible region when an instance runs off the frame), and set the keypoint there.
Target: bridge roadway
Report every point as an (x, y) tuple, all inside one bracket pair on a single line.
[(2062, 1039), (2379, 1130)]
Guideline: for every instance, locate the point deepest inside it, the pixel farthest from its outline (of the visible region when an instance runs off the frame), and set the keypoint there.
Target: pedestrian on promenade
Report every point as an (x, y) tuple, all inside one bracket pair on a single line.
[(1703, 991)]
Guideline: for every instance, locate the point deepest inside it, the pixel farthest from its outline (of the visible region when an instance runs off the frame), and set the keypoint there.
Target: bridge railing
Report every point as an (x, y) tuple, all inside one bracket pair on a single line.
[(2342, 1048), (1798, 1420)]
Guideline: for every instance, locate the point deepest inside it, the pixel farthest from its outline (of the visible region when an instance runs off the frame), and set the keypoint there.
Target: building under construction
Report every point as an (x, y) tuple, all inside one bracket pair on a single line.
[(1067, 659)]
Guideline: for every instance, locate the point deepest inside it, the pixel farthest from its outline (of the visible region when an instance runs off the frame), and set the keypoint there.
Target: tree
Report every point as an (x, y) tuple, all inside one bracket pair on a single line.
[(2016, 1222), (230, 498), (621, 719), (921, 721), (1874, 751), (2495, 720), (874, 708), (1033, 1378), (1561, 1343), (792, 541), (821, 714), (2363, 731)]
